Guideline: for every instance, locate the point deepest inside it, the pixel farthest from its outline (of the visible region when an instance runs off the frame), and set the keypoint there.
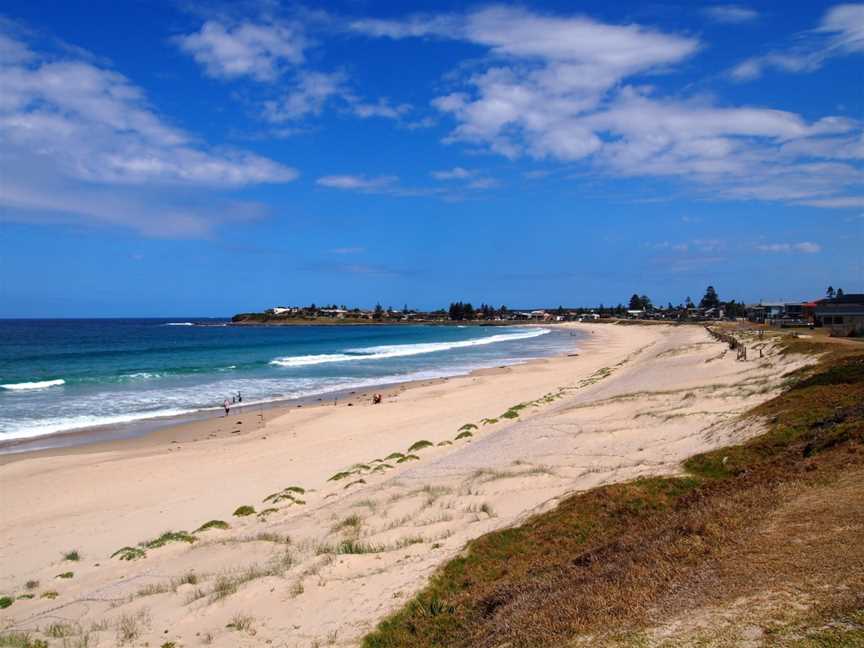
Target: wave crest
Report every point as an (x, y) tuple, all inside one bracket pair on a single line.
[(402, 350), (40, 384)]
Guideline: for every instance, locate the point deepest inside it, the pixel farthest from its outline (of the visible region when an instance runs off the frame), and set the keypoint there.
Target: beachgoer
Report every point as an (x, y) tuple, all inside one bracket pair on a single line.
[(239, 397), (376, 399), (227, 406)]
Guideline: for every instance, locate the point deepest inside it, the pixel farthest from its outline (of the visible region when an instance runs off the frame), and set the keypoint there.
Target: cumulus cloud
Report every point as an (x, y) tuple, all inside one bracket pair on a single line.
[(308, 97), (805, 247), (566, 89), (840, 33), (80, 140), (246, 49), (731, 13)]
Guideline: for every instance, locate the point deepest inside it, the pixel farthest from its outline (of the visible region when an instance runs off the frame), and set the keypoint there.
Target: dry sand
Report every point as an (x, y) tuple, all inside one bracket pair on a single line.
[(635, 401)]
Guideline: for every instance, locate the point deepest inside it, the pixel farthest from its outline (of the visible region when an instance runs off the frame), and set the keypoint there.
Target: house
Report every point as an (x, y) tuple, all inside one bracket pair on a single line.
[(635, 314), (282, 310), (842, 316)]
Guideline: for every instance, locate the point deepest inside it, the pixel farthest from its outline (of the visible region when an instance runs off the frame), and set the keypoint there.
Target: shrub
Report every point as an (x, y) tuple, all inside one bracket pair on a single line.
[(73, 555), (5, 602), (244, 510)]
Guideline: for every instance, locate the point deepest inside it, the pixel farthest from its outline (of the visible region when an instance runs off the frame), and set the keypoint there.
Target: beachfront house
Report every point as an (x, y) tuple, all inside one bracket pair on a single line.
[(842, 316)]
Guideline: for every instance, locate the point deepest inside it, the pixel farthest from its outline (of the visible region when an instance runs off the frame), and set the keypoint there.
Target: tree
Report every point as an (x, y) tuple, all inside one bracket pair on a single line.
[(646, 303), (379, 312), (840, 292), (710, 300), (829, 293), (635, 302)]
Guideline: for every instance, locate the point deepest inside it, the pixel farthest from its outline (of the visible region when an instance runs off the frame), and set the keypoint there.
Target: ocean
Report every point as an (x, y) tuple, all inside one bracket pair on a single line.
[(62, 375)]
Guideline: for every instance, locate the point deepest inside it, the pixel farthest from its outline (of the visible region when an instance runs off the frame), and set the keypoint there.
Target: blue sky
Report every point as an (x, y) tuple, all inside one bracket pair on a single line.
[(197, 158)]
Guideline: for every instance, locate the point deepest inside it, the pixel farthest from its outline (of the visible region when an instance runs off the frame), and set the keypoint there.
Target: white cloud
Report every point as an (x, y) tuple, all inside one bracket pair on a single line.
[(308, 97), (80, 140), (382, 108), (357, 182), (805, 247), (259, 51), (559, 88), (731, 13), (456, 173), (840, 33)]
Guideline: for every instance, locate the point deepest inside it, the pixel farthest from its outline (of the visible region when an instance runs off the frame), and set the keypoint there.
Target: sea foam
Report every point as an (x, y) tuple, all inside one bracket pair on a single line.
[(402, 350), (41, 384)]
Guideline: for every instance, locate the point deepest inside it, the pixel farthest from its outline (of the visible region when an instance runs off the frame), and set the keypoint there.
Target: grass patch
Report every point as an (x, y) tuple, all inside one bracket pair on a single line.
[(340, 475), (129, 553), (243, 511), (21, 640), (240, 622), (130, 626), (65, 575), (31, 584), (5, 602), (73, 555), (489, 421), (354, 483), (408, 457), (352, 522), (393, 455), (289, 494), (167, 537), (464, 435), (444, 443), (620, 558), (21, 597), (268, 511), (212, 524), (61, 630), (467, 426), (419, 445), (50, 595)]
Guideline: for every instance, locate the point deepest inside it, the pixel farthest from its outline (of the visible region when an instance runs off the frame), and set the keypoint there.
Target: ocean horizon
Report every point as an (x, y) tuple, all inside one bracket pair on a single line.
[(65, 375)]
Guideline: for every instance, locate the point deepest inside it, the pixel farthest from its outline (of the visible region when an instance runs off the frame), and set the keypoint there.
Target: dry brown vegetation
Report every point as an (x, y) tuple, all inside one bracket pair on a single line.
[(776, 523)]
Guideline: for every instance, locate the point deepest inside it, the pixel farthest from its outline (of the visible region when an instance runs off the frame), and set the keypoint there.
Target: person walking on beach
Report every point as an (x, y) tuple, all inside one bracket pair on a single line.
[(239, 397), (227, 406)]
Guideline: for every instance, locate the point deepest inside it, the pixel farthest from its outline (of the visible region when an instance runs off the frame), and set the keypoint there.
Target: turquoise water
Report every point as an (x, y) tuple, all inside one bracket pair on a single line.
[(63, 375)]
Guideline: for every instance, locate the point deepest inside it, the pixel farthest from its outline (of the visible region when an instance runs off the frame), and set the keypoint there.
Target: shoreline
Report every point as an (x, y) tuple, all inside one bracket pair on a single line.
[(387, 493), (105, 436)]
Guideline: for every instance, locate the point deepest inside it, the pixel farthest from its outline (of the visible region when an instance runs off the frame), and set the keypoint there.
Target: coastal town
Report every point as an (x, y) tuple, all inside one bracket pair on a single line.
[(841, 314)]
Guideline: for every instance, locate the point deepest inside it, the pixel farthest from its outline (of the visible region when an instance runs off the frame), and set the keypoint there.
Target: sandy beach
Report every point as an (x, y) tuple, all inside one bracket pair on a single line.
[(355, 505)]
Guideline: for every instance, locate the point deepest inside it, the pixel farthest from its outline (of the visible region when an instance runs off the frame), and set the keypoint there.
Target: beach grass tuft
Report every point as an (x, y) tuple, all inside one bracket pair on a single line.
[(65, 575), (59, 630), (444, 443), (340, 475), (5, 602), (50, 595), (408, 457), (21, 640), (354, 483), (393, 455), (243, 511), (129, 553), (73, 555), (25, 597), (352, 523), (464, 435), (31, 584), (212, 524), (240, 622), (263, 514), (419, 445), (467, 426), (166, 537), (489, 421)]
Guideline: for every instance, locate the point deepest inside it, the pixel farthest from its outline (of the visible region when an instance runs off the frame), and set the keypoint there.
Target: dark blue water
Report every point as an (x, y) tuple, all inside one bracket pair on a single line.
[(60, 375)]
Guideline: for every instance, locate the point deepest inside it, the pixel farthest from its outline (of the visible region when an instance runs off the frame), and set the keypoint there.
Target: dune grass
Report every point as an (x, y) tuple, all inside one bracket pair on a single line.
[(463, 435), (66, 575), (243, 511), (419, 445), (129, 553), (168, 537), (617, 558), (5, 602), (408, 457), (73, 555), (21, 640), (340, 475), (212, 524)]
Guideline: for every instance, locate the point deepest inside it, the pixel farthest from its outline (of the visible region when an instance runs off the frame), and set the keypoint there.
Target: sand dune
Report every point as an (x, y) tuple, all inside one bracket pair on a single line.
[(356, 527)]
